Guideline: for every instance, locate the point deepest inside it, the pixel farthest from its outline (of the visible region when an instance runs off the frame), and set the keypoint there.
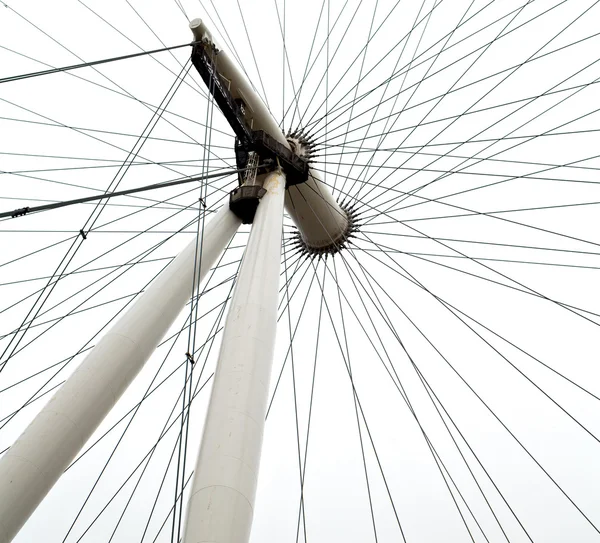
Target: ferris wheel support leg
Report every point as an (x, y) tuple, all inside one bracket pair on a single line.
[(29, 469), (221, 501)]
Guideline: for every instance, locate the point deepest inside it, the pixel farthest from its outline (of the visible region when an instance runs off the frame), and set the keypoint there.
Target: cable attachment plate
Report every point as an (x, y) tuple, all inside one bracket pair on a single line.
[(243, 201)]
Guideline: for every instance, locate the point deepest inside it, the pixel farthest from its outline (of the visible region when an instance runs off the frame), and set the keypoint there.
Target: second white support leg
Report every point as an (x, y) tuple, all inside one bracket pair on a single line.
[(29, 469), (222, 497)]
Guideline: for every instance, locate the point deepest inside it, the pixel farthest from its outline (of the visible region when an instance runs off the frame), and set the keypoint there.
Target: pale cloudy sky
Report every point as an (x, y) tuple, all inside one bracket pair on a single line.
[(485, 325)]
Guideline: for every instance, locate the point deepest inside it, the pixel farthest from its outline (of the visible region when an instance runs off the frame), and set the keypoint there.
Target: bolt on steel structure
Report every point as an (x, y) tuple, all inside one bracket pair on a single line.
[(221, 502)]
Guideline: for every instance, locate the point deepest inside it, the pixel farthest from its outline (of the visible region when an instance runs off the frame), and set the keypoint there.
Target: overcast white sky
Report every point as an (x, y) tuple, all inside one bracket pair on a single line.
[(468, 290)]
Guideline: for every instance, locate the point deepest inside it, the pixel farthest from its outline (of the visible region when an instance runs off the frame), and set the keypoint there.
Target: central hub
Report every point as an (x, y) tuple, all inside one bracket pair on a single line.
[(302, 146)]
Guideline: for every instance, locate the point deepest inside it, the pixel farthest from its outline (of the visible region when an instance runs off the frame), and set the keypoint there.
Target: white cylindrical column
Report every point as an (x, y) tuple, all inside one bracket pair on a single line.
[(221, 502), (321, 221), (37, 459)]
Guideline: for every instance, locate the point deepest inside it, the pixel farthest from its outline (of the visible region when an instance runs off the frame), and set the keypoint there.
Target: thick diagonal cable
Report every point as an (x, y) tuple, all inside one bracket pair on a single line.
[(60, 320), (91, 63), (89, 223), (57, 277), (129, 95)]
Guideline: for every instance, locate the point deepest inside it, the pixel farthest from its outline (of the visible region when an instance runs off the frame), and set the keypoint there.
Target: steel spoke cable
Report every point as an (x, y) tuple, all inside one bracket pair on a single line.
[(487, 243), (295, 393), (361, 149), (510, 178), (456, 82), (362, 65), (385, 89), (233, 50), (151, 108), (324, 46), (293, 335), (438, 255), (528, 176), (416, 87), (404, 394), (478, 322), (31, 376), (360, 438), (491, 411), (301, 505), (402, 70), (184, 413), (537, 228), (297, 96), (311, 122), (71, 252), (510, 114), (571, 308), (346, 364), (190, 163), (262, 86), (398, 385), (137, 234), (76, 311), (95, 335), (55, 124), (360, 407)]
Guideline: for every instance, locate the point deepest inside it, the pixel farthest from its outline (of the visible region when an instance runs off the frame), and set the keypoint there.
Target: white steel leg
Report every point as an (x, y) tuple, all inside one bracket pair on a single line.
[(38, 458), (222, 496)]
